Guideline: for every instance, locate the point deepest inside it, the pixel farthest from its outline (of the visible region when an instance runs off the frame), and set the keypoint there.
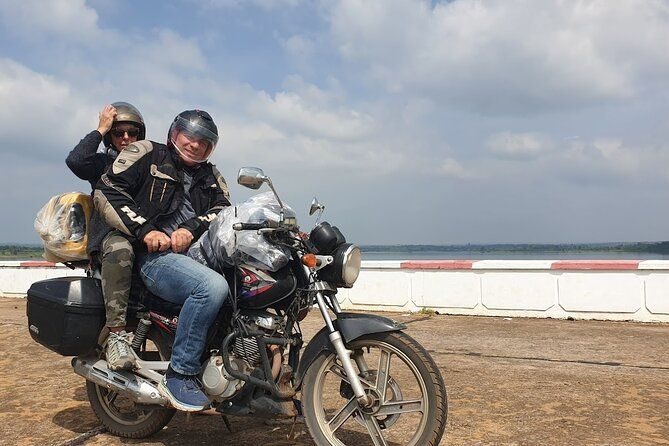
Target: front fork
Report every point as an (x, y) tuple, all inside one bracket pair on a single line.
[(343, 353)]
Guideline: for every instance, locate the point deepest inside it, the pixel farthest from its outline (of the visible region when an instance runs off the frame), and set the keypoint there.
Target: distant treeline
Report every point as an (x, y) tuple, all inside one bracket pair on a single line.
[(648, 247), (21, 251)]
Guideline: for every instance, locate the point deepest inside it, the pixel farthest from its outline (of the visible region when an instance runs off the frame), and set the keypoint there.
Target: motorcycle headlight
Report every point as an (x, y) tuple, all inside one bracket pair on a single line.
[(344, 270)]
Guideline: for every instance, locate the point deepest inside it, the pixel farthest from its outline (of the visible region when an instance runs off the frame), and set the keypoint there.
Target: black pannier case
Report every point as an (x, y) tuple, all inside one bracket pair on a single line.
[(66, 314)]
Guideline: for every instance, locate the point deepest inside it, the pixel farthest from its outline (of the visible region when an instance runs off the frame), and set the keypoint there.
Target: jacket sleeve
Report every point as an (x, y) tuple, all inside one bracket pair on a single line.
[(113, 197), (84, 161), (200, 223)]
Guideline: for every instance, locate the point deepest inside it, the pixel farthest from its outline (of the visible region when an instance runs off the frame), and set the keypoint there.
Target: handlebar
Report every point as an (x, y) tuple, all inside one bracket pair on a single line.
[(249, 226)]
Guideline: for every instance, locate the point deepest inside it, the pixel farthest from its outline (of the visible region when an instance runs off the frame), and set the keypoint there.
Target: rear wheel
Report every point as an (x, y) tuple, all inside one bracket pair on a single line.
[(405, 384), (119, 414)]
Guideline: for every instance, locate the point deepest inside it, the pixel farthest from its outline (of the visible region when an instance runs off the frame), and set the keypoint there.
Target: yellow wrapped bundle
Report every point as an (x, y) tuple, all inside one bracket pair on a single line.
[(62, 225)]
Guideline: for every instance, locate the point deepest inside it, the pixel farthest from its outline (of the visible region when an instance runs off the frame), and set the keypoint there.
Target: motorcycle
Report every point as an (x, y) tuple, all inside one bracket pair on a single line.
[(361, 379)]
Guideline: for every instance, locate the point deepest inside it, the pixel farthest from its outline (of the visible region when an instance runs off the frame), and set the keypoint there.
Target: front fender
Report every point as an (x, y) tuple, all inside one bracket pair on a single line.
[(351, 326)]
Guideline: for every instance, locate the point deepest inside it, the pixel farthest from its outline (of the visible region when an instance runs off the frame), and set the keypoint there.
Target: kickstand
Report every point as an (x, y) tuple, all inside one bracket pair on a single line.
[(227, 423), (292, 428)]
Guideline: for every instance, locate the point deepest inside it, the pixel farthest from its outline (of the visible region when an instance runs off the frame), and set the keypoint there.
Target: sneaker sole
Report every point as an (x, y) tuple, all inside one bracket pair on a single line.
[(126, 366), (164, 391)]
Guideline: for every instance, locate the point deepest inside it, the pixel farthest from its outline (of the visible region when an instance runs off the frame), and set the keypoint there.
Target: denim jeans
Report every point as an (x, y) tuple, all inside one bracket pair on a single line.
[(181, 280)]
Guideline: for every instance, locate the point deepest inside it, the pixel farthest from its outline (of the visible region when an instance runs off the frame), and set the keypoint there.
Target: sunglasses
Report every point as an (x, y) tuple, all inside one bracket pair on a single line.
[(118, 133)]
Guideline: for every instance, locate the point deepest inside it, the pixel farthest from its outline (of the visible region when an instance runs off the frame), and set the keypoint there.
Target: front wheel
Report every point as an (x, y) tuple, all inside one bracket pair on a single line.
[(409, 408)]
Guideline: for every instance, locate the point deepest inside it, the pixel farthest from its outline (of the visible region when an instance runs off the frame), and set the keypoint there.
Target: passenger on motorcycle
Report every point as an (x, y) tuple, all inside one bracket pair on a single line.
[(165, 196), (120, 124)]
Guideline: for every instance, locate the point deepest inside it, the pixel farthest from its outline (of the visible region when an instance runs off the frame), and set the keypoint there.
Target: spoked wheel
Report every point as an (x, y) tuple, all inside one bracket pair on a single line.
[(409, 398), (119, 414)]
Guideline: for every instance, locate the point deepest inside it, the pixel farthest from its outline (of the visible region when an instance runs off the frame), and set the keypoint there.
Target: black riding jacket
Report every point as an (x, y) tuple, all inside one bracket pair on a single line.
[(85, 161), (146, 182)]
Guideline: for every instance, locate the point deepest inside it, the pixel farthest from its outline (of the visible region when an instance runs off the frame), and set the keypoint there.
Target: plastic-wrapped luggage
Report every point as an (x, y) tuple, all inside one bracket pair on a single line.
[(221, 246), (62, 224)]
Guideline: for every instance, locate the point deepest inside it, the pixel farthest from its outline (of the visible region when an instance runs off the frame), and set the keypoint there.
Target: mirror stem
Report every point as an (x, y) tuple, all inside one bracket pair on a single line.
[(271, 186)]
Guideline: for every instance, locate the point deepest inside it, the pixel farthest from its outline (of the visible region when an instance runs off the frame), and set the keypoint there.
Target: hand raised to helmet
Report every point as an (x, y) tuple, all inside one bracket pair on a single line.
[(107, 115)]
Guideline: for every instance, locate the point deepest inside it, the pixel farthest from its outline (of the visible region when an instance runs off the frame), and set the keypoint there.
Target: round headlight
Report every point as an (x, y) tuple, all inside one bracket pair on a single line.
[(344, 270), (351, 265)]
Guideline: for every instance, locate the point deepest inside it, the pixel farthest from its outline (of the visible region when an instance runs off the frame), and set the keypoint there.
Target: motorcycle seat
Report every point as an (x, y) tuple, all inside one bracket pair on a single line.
[(141, 299)]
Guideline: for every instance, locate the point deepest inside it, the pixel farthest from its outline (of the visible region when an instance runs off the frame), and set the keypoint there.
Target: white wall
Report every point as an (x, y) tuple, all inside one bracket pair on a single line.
[(629, 290), (16, 277), (611, 290)]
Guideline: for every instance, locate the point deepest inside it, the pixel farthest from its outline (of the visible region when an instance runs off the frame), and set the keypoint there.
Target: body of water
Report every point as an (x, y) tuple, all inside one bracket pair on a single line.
[(498, 255)]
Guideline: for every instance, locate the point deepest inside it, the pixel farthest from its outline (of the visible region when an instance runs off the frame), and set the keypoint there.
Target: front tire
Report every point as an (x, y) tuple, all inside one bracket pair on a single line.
[(119, 415), (410, 397)]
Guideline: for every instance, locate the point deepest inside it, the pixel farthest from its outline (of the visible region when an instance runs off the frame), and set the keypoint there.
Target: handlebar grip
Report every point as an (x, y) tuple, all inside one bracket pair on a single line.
[(248, 226)]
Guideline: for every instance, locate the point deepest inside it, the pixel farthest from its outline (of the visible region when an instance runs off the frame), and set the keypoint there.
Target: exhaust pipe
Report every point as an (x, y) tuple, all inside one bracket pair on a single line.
[(140, 390)]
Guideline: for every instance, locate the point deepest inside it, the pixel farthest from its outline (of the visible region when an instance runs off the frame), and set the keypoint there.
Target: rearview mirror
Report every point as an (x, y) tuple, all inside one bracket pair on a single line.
[(251, 177), (315, 206)]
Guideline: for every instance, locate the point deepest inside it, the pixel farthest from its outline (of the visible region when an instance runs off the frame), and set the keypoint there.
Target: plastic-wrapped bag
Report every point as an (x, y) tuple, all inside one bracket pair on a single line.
[(62, 224), (221, 246)]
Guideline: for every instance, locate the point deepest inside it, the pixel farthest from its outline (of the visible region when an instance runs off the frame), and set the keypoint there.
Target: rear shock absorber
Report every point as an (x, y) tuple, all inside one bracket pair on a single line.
[(140, 333)]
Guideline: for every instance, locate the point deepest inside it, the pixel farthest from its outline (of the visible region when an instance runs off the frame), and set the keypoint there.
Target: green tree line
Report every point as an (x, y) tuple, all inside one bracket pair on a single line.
[(9, 252)]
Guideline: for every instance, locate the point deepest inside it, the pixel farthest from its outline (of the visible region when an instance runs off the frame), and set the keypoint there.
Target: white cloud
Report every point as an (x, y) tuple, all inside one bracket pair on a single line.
[(449, 167), (619, 157), (69, 19), (164, 63), (518, 145), (255, 142), (505, 56), (293, 113), (332, 93), (298, 46), (38, 111), (264, 4), (600, 160), (611, 157)]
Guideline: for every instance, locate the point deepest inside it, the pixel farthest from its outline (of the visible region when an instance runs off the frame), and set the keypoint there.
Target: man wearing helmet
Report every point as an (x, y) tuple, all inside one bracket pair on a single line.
[(165, 196), (120, 124)]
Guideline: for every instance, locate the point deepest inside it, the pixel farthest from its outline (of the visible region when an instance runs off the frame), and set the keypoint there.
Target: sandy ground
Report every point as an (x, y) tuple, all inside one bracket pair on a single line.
[(509, 382)]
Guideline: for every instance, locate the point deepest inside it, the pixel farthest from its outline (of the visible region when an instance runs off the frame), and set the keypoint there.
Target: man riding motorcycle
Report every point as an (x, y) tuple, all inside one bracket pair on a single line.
[(165, 196)]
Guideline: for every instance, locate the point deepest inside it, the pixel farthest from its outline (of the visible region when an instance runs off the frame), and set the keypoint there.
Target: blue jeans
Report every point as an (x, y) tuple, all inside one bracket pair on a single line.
[(181, 280)]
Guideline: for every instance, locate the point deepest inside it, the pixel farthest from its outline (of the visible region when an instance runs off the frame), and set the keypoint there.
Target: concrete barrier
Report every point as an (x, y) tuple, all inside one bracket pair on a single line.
[(607, 290), (16, 277)]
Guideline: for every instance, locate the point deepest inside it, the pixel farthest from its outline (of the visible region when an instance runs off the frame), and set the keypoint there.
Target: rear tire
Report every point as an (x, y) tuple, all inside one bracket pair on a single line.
[(122, 418)]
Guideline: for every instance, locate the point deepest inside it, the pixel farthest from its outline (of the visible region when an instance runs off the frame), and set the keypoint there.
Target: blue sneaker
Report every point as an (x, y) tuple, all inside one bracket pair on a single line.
[(183, 391)]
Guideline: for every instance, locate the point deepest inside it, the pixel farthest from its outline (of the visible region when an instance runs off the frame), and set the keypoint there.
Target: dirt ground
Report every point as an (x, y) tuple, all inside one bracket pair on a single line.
[(509, 382)]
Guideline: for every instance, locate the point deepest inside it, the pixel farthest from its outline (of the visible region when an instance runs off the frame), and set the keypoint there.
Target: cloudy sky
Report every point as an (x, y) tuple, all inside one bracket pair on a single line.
[(413, 121)]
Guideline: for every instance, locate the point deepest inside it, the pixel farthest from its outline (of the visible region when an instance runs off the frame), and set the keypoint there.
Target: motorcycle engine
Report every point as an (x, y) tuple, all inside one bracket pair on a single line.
[(217, 382), (246, 356)]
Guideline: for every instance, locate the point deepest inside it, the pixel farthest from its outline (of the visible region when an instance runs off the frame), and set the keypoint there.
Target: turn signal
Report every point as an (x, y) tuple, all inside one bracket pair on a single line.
[(309, 260)]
